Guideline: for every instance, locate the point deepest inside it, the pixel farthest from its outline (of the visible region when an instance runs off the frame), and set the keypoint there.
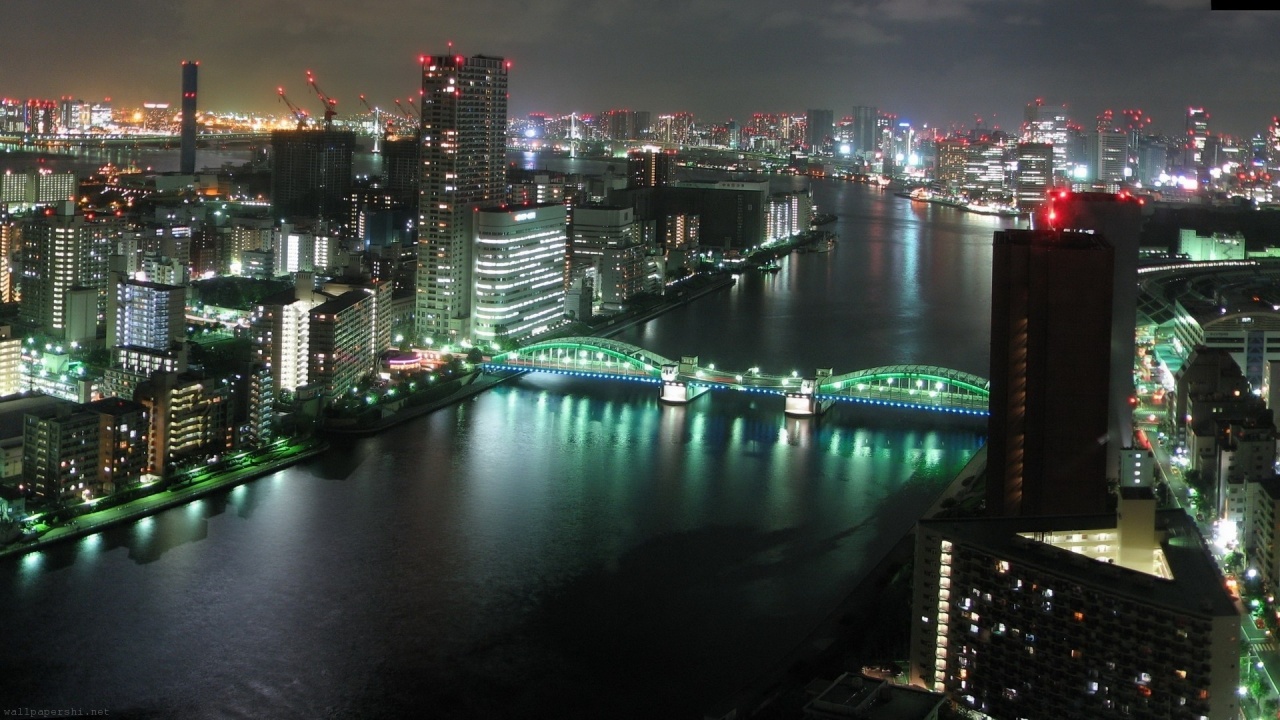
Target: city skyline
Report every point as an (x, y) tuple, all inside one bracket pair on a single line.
[(931, 63)]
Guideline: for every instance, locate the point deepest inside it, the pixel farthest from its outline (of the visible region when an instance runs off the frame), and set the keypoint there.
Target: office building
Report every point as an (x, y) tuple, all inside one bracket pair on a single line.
[(1050, 362), (311, 173), (187, 161), (464, 167), (247, 235), (520, 271), (1108, 158), (1087, 617), (1034, 174), (605, 243)]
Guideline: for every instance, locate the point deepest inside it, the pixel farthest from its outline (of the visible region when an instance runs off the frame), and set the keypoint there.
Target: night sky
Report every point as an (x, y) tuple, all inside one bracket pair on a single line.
[(930, 61)]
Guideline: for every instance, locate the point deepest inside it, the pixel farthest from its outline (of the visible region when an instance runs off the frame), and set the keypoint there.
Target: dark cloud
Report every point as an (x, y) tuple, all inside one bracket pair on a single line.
[(936, 61)]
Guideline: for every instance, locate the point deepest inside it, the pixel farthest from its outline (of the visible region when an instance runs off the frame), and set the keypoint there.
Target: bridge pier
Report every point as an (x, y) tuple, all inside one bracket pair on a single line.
[(676, 391), (804, 403)]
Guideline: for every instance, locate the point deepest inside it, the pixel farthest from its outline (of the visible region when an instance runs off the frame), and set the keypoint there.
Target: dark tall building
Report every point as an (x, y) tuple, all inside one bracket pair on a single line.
[(1050, 361), (819, 126), (463, 140), (311, 173), (865, 139), (187, 162), (1118, 219)]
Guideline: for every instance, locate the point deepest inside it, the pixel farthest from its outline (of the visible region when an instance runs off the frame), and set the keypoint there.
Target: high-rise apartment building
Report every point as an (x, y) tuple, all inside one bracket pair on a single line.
[(647, 168), (146, 325), (62, 251), (1085, 617), (520, 271), (1050, 362), (280, 331), (341, 346), (463, 156), (1117, 218), (951, 154)]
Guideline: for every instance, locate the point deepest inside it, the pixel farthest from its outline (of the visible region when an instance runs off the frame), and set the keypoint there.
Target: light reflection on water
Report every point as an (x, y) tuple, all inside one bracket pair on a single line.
[(552, 543)]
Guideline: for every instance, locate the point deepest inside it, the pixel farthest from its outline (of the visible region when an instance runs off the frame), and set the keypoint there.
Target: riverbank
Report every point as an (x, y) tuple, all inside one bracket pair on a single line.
[(483, 382), (868, 616), (682, 296), (91, 522), (163, 499)]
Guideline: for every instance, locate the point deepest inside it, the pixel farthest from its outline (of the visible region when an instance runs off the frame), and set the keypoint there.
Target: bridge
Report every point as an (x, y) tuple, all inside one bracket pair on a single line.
[(109, 140), (922, 387)]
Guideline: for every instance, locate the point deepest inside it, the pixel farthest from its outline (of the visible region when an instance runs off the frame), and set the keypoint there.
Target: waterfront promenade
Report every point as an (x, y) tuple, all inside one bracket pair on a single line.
[(254, 465)]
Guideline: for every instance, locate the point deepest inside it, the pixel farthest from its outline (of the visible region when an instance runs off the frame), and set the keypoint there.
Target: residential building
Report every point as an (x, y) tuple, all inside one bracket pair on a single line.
[(1085, 617), (463, 161), (1050, 353)]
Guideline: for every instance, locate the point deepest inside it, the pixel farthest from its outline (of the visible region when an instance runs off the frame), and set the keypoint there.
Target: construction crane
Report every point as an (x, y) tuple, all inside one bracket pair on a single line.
[(298, 113), (329, 103), (404, 113)]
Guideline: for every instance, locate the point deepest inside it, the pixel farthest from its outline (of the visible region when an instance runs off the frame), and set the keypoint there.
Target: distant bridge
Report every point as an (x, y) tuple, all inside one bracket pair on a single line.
[(41, 142), (922, 387)]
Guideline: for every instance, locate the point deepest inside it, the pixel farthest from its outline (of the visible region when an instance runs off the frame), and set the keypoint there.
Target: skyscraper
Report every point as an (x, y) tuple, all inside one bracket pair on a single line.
[(463, 156), (1117, 218), (819, 126), (1197, 135), (187, 163), (864, 137), (1050, 361)]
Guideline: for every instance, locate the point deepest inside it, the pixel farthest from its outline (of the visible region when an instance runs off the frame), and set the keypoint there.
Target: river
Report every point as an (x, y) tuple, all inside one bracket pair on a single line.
[(554, 546)]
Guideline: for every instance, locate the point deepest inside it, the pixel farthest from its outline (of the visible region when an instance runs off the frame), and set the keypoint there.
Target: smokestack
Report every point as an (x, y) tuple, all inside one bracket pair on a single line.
[(187, 164)]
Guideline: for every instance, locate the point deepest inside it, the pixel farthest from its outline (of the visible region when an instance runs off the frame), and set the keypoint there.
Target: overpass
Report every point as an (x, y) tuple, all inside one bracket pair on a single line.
[(922, 387)]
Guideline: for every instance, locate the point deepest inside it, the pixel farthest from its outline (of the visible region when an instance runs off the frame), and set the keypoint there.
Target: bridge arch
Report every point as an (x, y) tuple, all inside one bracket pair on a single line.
[(589, 354), (915, 385)]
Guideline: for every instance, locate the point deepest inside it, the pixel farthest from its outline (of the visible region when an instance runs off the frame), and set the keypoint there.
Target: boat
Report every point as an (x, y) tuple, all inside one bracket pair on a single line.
[(769, 267)]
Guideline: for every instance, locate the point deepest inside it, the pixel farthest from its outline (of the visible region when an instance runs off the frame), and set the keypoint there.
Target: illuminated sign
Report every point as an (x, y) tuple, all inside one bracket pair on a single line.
[(520, 217)]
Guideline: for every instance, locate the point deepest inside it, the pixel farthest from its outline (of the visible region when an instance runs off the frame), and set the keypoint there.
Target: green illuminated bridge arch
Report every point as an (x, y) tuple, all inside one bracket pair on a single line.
[(923, 387)]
